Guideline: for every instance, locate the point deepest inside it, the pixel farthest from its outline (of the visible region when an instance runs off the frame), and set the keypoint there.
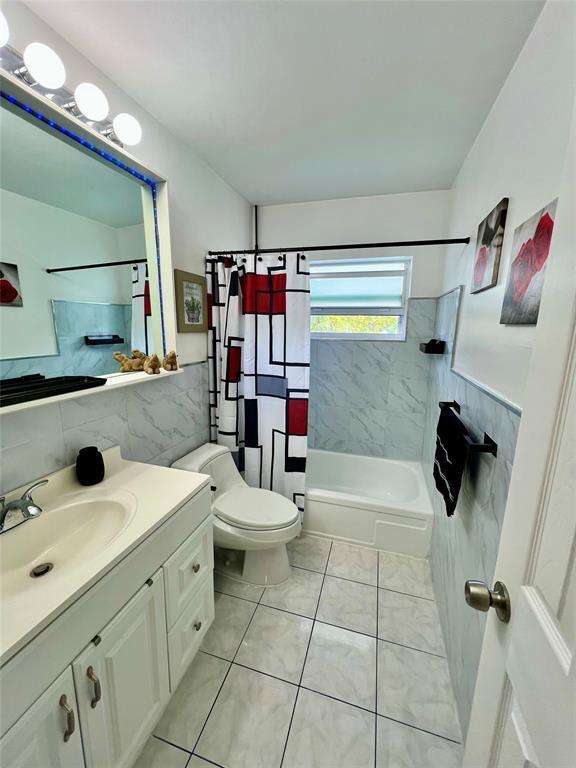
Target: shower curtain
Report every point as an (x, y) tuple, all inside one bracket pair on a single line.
[(259, 366), (141, 336)]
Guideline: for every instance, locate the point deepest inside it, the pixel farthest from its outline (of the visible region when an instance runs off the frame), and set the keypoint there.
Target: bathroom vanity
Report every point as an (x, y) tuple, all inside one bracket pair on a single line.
[(92, 650)]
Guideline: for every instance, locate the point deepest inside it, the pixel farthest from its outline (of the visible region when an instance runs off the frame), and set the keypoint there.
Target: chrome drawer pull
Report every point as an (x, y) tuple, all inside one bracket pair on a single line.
[(196, 567), (70, 720), (198, 626), (91, 675)]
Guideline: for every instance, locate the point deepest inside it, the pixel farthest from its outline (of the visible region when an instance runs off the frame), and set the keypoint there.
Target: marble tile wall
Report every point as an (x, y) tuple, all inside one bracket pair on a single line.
[(73, 320), (154, 422), (465, 546), (369, 397)]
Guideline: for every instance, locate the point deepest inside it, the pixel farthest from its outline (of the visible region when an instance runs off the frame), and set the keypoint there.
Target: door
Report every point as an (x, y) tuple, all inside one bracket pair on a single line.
[(121, 680), (48, 733), (524, 709)]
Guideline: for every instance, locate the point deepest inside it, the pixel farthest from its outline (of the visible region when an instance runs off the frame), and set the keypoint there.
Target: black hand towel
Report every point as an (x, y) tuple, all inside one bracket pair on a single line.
[(450, 457)]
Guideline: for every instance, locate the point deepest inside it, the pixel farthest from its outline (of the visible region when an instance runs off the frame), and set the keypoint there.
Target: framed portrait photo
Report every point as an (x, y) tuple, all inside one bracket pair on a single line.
[(191, 305)]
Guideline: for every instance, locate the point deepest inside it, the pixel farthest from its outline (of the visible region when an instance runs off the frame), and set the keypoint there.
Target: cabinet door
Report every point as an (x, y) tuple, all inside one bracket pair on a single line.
[(122, 680), (47, 734)]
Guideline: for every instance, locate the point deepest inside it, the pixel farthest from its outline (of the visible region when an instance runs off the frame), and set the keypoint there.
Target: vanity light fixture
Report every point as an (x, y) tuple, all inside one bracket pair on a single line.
[(91, 101), (44, 65), (4, 30), (127, 129)]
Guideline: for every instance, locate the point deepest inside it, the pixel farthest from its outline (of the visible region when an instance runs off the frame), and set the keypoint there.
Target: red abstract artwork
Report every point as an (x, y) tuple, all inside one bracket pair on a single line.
[(527, 270), (488, 248)]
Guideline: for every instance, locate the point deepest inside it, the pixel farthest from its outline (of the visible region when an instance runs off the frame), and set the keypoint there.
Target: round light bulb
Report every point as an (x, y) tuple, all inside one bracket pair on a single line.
[(44, 65), (127, 128), (91, 101), (4, 30)]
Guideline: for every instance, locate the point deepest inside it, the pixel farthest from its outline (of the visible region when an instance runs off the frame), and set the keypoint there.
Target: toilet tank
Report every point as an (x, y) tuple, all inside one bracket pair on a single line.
[(213, 460)]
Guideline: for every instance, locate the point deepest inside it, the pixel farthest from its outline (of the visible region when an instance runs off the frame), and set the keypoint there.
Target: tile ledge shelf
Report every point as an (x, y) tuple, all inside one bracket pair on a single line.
[(113, 381)]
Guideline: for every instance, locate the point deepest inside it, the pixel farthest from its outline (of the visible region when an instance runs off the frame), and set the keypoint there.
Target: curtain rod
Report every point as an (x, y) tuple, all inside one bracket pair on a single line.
[(349, 247), (97, 266)]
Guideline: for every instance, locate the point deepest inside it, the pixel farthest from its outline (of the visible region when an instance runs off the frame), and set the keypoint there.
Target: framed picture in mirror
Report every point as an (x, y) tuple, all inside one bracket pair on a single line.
[(191, 303)]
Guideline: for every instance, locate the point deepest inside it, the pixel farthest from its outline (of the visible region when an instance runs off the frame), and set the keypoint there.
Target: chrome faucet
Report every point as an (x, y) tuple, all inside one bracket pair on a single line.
[(19, 510)]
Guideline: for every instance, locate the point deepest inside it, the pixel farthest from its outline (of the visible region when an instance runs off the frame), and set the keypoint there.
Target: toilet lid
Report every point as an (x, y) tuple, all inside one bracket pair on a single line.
[(255, 509)]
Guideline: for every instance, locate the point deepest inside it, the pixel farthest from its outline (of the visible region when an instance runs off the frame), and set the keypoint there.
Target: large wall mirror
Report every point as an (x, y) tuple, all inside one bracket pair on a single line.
[(65, 212)]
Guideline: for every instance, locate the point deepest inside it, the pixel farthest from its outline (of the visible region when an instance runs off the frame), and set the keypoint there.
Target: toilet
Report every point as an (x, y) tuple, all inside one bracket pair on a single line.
[(255, 521)]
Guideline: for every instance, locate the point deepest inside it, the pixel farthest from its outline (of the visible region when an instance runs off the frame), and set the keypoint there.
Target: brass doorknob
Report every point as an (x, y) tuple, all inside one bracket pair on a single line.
[(479, 596)]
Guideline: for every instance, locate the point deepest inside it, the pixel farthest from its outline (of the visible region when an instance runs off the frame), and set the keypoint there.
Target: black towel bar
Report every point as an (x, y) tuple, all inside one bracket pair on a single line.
[(450, 404), (488, 446)]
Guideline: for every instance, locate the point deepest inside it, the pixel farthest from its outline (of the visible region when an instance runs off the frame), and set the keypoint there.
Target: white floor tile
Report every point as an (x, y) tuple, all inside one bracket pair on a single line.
[(342, 664), (232, 617), (276, 643), (409, 621), (237, 588), (189, 706), (157, 754), (400, 746), (414, 687), (326, 733), (249, 723), (197, 762), (309, 552), (348, 604), (352, 562), (405, 574), (299, 594)]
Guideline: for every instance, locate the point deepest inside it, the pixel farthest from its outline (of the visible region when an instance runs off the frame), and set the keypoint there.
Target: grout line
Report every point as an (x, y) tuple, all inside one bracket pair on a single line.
[(377, 650), (306, 654), (171, 743), (417, 728), (331, 624), (206, 760), (222, 685)]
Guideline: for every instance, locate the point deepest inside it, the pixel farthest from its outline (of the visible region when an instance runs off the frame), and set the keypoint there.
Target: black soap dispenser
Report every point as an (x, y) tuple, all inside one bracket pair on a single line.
[(89, 466)]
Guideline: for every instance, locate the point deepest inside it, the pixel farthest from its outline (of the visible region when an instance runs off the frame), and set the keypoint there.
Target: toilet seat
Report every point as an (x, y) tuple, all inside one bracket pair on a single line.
[(255, 509)]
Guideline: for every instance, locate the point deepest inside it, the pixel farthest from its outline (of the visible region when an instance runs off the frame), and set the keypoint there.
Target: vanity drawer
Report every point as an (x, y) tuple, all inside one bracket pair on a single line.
[(186, 635), (186, 569)]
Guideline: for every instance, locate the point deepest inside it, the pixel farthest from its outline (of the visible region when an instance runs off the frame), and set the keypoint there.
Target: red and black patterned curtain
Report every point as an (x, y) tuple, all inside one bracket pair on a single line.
[(259, 365)]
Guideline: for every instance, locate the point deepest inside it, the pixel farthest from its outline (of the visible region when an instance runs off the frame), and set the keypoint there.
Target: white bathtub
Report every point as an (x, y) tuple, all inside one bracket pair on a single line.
[(380, 503)]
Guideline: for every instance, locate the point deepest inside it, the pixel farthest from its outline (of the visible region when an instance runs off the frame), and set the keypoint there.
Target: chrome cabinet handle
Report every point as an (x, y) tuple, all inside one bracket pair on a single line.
[(91, 675), (70, 720), (196, 567), (198, 626)]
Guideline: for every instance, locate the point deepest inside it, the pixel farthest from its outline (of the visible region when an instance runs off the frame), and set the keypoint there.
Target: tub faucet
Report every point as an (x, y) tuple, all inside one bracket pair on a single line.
[(19, 510)]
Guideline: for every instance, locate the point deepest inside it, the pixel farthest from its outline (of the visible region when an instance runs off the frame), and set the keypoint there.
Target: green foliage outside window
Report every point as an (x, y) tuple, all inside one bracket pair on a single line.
[(355, 324)]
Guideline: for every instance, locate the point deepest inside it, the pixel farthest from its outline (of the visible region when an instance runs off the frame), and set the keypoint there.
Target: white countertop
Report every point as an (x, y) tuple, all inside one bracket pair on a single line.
[(152, 494)]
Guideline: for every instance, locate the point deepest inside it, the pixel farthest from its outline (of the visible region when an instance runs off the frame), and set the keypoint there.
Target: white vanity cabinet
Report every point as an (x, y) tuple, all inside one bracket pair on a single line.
[(121, 680), (49, 733), (118, 651)]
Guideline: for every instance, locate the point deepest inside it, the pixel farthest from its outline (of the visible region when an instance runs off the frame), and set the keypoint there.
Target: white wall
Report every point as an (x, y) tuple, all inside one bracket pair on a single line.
[(519, 153), (205, 212), (417, 216), (35, 235)]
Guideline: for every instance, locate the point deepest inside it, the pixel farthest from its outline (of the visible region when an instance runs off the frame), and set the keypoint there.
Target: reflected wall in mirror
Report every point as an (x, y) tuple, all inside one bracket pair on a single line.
[(61, 208)]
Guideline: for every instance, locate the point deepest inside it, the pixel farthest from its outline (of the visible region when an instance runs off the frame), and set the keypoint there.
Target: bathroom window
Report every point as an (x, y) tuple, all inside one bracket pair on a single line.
[(359, 298)]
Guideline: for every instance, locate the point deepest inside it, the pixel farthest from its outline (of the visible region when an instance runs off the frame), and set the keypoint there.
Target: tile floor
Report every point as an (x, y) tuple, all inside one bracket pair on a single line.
[(341, 667)]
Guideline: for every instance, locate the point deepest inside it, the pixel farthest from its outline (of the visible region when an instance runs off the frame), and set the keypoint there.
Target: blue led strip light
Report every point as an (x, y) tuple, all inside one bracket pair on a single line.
[(113, 161)]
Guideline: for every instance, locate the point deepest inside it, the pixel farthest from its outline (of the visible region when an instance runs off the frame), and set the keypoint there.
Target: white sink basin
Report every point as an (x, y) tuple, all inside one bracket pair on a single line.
[(69, 532)]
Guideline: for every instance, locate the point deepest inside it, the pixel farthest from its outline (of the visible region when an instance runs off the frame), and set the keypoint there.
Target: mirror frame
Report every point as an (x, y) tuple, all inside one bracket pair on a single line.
[(32, 106)]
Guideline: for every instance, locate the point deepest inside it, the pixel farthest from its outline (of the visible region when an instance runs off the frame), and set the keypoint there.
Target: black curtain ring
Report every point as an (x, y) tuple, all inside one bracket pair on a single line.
[(259, 258), (243, 261), (302, 256)]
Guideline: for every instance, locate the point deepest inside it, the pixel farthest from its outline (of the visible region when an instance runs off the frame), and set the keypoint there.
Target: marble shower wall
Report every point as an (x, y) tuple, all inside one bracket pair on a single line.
[(369, 397), (155, 422), (465, 546), (72, 321)]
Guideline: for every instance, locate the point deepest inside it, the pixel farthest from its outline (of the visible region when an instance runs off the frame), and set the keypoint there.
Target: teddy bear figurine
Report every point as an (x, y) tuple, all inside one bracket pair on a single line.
[(128, 364), (170, 363), (152, 364)]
